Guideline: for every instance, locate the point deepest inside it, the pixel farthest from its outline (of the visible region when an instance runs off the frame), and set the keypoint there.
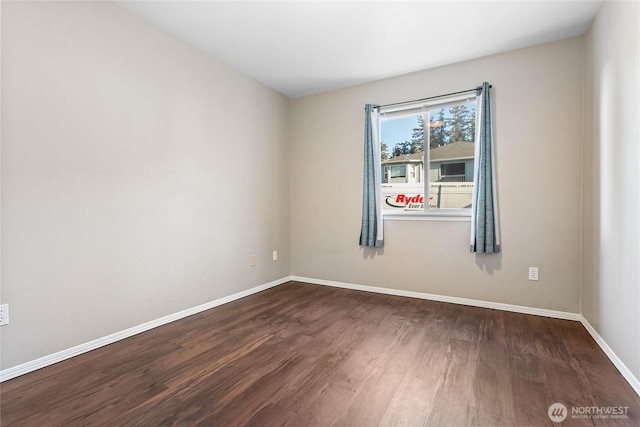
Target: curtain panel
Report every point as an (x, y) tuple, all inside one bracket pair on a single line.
[(371, 232), (485, 236)]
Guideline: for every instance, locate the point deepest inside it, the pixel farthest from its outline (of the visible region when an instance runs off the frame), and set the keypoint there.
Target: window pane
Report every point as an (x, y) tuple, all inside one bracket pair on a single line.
[(451, 156), (450, 169), (402, 152), (450, 140), (398, 171)]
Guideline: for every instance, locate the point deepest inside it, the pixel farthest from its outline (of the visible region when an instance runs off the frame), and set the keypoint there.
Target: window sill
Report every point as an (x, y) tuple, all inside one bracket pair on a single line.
[(458, 215)]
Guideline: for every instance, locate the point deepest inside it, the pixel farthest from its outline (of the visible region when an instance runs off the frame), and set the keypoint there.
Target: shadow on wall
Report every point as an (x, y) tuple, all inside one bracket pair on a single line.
[(489, 262), (370, 253)]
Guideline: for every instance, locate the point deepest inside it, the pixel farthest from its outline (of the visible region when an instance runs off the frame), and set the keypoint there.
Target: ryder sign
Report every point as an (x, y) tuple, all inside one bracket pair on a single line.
[(410, 197)]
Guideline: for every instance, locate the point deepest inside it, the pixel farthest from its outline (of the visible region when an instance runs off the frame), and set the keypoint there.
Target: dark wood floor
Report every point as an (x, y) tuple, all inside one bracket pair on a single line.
[(304, 355)]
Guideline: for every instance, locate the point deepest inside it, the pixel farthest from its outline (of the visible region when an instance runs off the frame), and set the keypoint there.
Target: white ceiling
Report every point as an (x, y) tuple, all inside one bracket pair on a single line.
[(304, 47)]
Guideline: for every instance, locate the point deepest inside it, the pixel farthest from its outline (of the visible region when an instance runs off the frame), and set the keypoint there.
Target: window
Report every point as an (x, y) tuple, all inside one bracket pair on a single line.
[(440, 134), (398, 171), (450, 169)]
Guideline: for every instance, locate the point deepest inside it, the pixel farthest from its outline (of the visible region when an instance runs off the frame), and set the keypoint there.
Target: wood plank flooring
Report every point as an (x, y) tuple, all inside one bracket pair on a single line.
[(308, 355)]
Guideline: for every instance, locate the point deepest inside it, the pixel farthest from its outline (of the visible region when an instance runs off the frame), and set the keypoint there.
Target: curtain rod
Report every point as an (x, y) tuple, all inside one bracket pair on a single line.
[(431, 97)]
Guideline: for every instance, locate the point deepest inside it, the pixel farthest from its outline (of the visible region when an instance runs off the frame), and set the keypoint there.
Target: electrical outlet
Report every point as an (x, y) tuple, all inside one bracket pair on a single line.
[(4, 314), (275, 255), (252, 260), (533, 273)]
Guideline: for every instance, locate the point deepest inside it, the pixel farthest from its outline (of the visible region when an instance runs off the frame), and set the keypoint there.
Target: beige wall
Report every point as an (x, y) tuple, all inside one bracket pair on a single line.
[(611, 215), (538, 115), (138, 176)]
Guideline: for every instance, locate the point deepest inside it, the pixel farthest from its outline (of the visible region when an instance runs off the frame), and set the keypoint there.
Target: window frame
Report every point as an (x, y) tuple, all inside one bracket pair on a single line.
[(416, 109)]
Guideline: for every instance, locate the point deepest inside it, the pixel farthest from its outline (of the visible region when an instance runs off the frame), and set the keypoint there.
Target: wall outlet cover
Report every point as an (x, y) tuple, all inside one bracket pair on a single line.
[(4, 314)]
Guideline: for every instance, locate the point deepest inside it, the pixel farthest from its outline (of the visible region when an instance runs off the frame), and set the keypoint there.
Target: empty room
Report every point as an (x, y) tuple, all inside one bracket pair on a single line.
[(219, 213)]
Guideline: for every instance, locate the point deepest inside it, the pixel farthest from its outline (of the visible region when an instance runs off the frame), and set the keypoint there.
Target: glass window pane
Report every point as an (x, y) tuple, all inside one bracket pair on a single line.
[(451, 156), (398, 171), (402, 152)]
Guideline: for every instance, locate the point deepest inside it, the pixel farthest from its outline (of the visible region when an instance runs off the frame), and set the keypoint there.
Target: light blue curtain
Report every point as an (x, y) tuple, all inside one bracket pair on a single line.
[(485, 236), (371, 232)]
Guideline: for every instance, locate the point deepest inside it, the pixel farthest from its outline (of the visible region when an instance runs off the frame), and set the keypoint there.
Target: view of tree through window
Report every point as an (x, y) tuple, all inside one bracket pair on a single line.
[(449, 134)]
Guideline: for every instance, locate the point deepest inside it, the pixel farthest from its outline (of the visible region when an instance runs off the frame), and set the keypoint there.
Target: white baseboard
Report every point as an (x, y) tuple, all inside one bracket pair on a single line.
[(626, 373), (42, 362), (442, 298)]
